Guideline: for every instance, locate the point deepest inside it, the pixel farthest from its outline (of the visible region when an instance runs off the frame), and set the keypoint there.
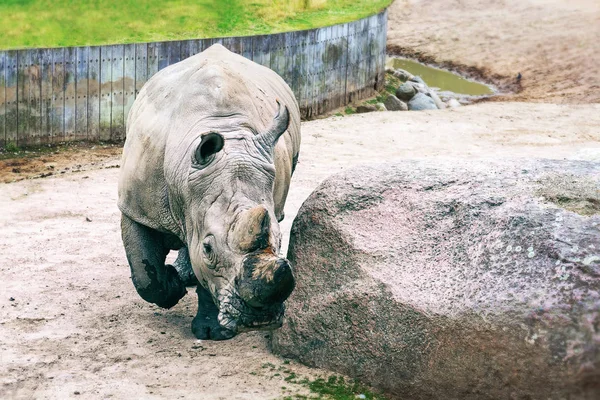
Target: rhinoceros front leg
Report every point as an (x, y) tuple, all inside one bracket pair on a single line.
[(146, 251), (205, 325), (183, 265)]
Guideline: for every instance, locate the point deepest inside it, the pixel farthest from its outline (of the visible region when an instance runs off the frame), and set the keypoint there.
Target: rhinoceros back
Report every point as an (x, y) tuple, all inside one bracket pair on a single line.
[(213, 87)]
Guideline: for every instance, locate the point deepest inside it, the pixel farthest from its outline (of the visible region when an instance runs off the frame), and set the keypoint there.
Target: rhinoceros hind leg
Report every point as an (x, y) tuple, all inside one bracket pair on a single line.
[(205, 325), (183, 266), (146, 251)]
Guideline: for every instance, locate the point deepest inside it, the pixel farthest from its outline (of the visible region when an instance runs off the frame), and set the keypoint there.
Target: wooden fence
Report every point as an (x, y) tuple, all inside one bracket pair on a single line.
[(85, 93)]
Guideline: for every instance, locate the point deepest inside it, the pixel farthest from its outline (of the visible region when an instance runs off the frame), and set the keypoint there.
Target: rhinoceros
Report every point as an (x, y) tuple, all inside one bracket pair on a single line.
[(211, 145)]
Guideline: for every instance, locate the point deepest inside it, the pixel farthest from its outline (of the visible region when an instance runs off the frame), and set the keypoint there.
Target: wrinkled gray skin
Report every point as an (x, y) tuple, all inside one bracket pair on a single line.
[(211, 145)]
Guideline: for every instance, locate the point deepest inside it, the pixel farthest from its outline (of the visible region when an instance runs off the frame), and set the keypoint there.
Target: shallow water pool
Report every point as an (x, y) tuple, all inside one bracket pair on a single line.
[(444, 80)]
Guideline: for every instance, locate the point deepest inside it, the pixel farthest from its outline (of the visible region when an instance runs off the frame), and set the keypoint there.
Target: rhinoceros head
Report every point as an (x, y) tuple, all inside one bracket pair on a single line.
[(233, 236)]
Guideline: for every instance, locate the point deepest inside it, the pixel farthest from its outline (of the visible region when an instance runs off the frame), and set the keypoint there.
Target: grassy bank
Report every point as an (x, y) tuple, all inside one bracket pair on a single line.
[(56, 23)]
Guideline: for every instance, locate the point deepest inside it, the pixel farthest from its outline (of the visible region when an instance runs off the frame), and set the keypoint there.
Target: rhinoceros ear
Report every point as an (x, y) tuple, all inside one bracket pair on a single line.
[(210, 145), (278, 126)]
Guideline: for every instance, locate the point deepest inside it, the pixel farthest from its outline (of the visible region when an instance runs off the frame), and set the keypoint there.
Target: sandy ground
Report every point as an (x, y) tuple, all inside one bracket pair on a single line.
[(76, 327), (554, 44), (46, 161)]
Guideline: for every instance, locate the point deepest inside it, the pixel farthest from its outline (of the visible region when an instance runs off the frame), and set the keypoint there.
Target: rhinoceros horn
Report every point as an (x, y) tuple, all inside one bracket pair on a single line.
[(279, 125), (251, 230), (266, 278)]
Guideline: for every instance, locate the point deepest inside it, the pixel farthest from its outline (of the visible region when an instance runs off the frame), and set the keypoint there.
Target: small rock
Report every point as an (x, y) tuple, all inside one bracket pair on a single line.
[(11, 299), (453, 103), (365, 108), (406, 91), (381, 107), (420, 87), (402, 75), (438, 102), (77, 392), (417, 79), (88, 219), (421, 102), (405, 72), (392, 103)]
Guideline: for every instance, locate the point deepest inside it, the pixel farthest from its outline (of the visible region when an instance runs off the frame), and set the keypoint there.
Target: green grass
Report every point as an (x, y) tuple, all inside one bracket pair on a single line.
[(56, 23), (333, 388)]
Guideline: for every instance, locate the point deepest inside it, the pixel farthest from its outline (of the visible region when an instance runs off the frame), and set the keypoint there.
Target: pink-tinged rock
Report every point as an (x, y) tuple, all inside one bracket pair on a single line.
[(452, 280)]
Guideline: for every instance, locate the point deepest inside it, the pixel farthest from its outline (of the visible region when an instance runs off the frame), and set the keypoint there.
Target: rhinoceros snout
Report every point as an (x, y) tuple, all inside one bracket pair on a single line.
[(266, 282), (282, 285)]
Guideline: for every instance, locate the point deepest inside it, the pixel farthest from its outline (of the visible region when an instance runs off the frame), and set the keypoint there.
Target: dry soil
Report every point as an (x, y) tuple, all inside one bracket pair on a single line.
[(554, 44)]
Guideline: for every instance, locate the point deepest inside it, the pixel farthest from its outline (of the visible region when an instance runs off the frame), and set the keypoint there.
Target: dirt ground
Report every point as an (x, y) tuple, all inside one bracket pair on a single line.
[(71, 323), (57, 160), (553, 43)]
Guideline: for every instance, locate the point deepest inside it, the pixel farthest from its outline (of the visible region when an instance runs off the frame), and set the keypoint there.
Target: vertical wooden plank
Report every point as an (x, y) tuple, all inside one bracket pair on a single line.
[(233, 44), (217, 41), (352, 63), (199, 45), (383, 48), (321, 65), (246, 42), (94, 93), (70, 91), (366, 58), (289, 59), (152, 59), (2, 98), (57, 117), (46, 96), (358, 49), (330, 68), (141, 66), (203, 44), (343, 66), (128, 83), (260, 50), (373, 55), (35, 97), (163, 55), (194, 47), (332, 60), (106, 92), (184, 50), (277, 54), (23, 97), (11, 98), (299, 62), (81, 95), (117, 129), (311, 75), (173, 52)]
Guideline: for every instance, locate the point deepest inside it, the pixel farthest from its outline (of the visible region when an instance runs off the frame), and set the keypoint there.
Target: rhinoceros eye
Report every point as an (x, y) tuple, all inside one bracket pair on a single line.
[(210, 145), (209, 251)]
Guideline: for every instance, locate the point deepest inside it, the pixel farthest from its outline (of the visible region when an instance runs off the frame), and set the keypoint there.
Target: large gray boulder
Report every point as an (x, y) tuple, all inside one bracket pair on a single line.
[(451, 280), (421, 102)]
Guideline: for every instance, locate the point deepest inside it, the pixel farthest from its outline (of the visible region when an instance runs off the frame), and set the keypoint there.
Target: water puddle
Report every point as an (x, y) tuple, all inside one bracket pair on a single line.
[(444, 80)]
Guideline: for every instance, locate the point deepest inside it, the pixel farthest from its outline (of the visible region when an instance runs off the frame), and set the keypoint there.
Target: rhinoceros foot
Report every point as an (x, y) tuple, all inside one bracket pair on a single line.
[(205, 325), (207, 328)]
